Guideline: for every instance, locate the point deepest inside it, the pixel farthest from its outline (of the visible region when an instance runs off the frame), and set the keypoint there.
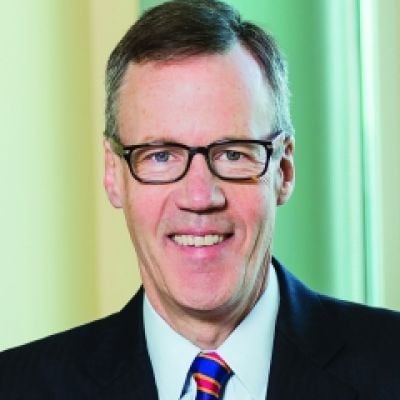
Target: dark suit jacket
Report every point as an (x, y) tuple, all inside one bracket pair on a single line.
[(324, 349)]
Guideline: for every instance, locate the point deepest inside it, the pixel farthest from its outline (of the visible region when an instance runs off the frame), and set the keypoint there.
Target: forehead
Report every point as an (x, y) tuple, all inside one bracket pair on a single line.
[(195, 100)]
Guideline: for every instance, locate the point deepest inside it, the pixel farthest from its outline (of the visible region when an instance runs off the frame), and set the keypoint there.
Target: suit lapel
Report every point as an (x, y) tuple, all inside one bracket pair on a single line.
[(120, 363), (306, 340)]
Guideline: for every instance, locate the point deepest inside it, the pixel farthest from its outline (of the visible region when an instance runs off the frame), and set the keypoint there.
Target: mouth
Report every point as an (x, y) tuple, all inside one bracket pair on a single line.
[(199, 240)]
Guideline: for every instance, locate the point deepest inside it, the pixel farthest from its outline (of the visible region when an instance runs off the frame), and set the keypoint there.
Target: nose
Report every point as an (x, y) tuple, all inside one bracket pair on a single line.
[(200, 190)]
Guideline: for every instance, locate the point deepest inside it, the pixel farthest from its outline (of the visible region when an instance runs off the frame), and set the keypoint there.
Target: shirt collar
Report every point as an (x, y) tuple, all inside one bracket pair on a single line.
[(248, 349), (170, 353), (249, 344)]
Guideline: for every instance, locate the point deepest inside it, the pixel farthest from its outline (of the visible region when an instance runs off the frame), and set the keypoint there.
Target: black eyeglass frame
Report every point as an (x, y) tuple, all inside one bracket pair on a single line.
[(126, 152)]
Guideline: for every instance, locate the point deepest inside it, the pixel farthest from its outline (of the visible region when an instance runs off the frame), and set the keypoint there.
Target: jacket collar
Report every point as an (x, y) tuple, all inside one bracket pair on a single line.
[(119, 360), (306, 341)]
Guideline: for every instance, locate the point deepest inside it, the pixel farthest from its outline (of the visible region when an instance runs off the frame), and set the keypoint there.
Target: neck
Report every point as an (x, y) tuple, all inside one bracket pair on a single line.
[(205, 329), (204, 334)]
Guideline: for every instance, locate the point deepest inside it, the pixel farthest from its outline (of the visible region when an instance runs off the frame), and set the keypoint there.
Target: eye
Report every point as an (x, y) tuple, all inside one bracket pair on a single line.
[(233, 155), (239, 153), (156, 155), (161, 156)]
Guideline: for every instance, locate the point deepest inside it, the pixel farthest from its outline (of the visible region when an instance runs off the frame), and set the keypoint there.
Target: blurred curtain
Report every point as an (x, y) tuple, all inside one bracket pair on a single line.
[(380, 61)]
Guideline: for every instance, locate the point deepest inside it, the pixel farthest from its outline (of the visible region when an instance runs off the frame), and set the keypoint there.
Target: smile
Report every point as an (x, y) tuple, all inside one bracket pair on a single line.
[(197, 241)]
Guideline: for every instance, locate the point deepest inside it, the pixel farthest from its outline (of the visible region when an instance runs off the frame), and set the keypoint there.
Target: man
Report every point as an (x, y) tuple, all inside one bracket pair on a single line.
[(198, 154)]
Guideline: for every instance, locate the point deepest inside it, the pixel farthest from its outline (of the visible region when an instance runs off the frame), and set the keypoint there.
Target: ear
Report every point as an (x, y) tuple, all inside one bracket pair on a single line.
[(111, 180), (286, 171)]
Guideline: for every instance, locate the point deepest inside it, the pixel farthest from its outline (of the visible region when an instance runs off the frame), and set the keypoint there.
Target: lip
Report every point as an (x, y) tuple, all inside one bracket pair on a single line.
[(201, 252)]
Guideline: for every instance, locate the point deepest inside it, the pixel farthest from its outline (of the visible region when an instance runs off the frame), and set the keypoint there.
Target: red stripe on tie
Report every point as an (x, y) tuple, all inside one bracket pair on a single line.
[(207, 384)]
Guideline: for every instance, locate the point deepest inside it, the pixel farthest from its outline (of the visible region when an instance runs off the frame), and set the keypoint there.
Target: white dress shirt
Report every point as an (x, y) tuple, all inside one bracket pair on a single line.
[(247, 350)]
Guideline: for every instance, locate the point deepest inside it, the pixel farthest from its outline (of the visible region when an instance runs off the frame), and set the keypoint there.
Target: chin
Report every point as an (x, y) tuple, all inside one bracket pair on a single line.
[(205, 302)]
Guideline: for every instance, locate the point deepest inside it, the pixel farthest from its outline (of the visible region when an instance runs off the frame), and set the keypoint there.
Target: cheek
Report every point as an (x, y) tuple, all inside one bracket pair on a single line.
[(257, 207), (144, 206), (255, 204)]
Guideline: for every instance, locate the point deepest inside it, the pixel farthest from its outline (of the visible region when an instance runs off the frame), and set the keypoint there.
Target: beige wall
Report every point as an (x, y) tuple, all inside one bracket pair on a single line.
[(47, 229), (57, 268), (118, 276)]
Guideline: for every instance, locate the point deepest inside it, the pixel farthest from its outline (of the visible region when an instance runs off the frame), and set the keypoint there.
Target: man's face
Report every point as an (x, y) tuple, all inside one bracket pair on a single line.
[(197, 101)]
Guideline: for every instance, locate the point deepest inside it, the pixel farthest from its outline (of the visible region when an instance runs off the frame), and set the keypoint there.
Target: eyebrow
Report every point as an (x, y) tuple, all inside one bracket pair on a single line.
[(156, 139), (152, 139)]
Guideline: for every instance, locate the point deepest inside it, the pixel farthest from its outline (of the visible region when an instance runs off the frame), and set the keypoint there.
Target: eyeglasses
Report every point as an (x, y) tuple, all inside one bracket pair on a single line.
[(231, 160)]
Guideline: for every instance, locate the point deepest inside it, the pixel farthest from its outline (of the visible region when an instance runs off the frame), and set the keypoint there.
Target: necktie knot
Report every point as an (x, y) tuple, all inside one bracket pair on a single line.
[(211, 374)]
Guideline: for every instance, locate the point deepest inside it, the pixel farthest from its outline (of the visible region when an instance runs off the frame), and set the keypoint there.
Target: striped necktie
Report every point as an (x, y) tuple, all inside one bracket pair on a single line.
[(211, 374)]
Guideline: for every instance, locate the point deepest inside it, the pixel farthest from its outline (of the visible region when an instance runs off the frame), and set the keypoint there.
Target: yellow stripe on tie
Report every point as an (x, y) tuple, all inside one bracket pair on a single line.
[(208, 391)]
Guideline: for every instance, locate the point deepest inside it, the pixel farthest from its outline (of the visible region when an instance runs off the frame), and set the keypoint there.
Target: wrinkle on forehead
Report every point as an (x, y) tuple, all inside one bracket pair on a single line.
[(227, 91)]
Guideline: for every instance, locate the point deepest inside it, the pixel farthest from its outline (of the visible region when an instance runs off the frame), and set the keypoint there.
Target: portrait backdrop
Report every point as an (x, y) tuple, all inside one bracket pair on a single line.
[(66, 257)]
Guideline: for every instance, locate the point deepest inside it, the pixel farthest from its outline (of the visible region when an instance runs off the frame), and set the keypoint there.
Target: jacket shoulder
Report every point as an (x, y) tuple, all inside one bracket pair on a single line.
[(369, 357), (376, 330), (45, 360), (74, 363), (77, 337), (351, 343)]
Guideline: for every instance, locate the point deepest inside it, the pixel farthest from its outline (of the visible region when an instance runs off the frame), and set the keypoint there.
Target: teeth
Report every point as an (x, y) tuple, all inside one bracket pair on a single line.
[(197, 241)]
